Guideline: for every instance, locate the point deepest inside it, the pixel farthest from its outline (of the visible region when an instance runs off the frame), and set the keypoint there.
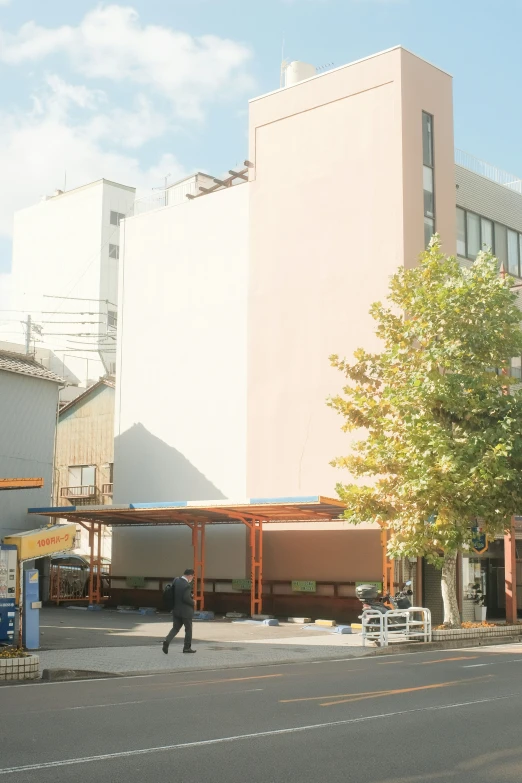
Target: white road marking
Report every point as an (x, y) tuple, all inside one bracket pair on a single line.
[(239, 737), (492, 663)]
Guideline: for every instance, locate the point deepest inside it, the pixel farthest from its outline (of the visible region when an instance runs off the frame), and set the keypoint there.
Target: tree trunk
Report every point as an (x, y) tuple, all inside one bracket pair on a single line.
[(449, 591)]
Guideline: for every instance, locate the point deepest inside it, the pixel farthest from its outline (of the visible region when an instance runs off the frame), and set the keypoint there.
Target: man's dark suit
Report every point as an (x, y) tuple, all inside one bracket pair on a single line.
[(183, 611)]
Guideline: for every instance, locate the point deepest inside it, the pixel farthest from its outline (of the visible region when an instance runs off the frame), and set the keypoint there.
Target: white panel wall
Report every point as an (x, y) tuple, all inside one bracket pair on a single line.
[(27, 429), (181, 387), (56, 251)]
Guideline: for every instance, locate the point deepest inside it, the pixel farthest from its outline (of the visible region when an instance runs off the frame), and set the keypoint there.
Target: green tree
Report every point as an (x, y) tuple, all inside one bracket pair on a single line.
[(442, 443)]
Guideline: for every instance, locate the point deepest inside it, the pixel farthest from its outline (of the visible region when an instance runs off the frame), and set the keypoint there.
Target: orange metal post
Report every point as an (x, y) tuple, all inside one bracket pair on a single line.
[(510, 564), (198, 542), (387, 564), (97, 589), (91, 575), (256, 567)]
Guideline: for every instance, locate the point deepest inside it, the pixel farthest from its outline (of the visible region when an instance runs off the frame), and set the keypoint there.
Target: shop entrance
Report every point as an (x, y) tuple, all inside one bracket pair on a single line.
[(488, 571)]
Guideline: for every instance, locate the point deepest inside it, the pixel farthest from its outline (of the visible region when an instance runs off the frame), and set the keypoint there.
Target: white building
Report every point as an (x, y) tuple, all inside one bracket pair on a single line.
[(65, 273)]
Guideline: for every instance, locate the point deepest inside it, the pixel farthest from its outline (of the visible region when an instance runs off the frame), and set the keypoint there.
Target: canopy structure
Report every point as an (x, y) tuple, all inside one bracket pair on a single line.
[(21, 483), (197, 515)]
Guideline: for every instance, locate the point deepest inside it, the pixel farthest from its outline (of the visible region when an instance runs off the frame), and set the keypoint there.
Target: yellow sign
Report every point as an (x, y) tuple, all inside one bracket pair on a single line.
[(45, 541)]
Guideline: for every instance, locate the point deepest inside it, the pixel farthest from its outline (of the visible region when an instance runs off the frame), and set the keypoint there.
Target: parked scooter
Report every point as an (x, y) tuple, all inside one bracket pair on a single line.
[(369, 596), (401, 599)]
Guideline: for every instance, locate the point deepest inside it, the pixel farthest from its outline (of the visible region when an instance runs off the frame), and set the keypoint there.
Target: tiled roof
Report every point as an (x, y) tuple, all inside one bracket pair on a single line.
[(26, 365)]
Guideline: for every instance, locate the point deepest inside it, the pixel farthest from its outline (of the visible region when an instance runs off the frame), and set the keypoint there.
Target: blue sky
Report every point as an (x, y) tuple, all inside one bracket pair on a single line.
[(137, 90)]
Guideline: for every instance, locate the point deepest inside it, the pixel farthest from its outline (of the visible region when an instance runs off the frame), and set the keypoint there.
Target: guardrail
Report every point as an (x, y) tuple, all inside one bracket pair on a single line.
[(397, 625), (85, 491), (487, 170)]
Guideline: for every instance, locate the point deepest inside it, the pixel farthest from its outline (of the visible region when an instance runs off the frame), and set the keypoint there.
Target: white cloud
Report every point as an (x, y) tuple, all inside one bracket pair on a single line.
[(111, 43), (137, 82), (37, 149)]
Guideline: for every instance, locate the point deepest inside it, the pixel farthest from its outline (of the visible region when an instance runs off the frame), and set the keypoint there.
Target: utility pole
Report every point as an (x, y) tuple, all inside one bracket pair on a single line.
[(28, 330)]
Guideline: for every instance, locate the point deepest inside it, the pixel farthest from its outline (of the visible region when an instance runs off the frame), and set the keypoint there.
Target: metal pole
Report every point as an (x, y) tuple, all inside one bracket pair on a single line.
[(28, 328), (21, 604), (256, 567), (98, 581), (91, 575)]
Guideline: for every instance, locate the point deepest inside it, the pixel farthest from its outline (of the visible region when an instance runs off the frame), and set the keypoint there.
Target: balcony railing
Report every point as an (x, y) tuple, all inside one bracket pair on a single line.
[(88, 491), (488, 171), (107, 489)]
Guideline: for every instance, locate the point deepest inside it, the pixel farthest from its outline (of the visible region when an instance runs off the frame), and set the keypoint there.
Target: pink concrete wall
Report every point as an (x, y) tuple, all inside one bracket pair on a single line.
[(426, 88), (334, 208)]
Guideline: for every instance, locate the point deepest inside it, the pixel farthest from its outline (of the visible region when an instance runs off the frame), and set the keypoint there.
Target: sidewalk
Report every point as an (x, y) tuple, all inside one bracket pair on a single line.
[(116, 643)]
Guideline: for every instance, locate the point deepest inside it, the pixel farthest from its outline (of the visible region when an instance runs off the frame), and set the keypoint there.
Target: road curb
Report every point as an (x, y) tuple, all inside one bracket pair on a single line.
[(66, 675), (71, 675)]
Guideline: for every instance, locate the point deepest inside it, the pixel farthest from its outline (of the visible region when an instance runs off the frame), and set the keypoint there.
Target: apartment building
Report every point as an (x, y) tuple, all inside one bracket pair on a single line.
[(65, 274)]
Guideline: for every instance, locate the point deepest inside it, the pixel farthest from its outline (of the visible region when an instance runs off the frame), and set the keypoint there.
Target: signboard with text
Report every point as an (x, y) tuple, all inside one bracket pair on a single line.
[(307, 586), (42, 542), (241, 584)]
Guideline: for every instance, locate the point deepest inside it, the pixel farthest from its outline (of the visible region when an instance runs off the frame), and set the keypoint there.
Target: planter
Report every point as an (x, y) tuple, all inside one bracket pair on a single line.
[(480, 613), (26, 668), (477, 633)]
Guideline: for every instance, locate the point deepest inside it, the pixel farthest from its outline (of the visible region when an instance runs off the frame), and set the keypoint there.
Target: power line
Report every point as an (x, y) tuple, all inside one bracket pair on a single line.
[(79, 299)]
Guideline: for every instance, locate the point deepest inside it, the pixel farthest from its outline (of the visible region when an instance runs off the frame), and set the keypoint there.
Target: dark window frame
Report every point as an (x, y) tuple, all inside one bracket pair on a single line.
[(430, 156), (119, 217)]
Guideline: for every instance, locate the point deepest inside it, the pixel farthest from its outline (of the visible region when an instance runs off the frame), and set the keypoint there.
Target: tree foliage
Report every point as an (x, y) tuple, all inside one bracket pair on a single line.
[(441, 441)]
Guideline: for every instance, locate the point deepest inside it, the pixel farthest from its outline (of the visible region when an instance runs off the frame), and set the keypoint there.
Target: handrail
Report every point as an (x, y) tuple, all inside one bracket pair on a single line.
[(85, 491), (396, 625)]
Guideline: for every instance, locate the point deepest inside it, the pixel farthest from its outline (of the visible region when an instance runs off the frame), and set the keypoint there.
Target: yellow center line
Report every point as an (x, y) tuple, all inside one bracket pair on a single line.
[(443, 660), (342, 698)]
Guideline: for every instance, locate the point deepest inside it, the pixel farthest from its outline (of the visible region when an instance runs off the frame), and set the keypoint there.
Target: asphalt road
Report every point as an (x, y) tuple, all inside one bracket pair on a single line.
[(434, 717)]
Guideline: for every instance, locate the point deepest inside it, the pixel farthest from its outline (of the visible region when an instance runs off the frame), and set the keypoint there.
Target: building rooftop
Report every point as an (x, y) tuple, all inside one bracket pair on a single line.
[(488, 171), (110, 382), (26, 365)]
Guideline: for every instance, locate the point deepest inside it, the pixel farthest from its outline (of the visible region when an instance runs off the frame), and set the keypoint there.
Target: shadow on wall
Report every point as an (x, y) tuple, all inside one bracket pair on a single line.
[(147, 469)]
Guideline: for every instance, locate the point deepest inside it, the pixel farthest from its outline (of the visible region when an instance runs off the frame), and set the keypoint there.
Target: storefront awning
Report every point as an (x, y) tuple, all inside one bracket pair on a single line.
[(220, 512)]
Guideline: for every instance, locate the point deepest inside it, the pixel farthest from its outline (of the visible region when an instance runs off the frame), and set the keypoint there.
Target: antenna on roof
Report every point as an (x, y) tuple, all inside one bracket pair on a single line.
[(325, 67)]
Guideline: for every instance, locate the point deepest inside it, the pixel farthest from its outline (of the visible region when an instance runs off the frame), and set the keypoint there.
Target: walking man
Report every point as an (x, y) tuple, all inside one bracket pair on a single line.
[(183, 611)]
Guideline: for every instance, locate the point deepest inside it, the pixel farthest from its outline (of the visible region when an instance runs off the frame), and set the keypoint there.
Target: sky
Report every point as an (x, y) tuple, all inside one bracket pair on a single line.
[(146, 89)]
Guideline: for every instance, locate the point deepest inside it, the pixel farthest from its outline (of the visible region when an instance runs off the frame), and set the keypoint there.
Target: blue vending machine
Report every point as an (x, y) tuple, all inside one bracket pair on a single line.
[(8, 572)]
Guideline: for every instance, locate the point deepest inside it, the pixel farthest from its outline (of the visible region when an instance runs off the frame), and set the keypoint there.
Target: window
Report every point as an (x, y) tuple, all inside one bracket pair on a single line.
[(112, 319), (516, 367), (427, 139), (486, 231), (114, 251), (429, 206), (428, 177), (473, 227), (501, 243), (82, 476), (116, 218), (461, 232), (475, 233), (111, 472), (512, 248)]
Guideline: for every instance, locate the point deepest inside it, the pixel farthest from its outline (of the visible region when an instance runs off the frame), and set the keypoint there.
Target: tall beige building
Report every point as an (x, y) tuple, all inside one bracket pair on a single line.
[(223, 370)]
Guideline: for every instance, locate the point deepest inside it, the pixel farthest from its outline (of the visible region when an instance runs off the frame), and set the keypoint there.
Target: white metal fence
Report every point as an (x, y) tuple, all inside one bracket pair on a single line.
[(397, 625), (487, 170)]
